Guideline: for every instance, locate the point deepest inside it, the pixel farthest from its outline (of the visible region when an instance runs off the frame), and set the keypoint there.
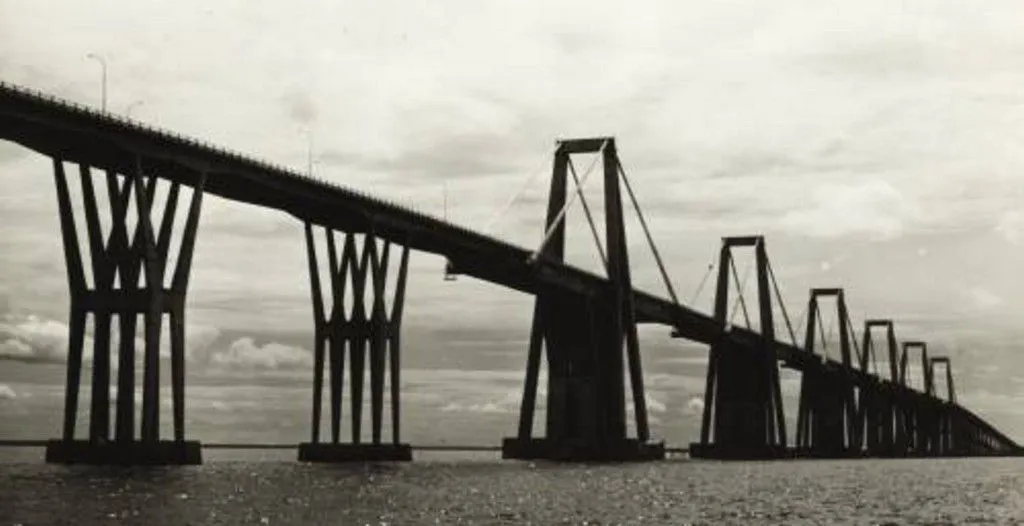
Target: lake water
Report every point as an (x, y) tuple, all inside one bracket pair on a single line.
[(466, 408), (456, 490)]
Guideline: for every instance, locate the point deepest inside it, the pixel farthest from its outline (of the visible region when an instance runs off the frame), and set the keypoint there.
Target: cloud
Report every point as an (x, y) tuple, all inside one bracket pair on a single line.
[(983, 299), (13, 348), (695, 406), (7, 392), (873, 208), (1011, 225), (34, 338), (244, 352)]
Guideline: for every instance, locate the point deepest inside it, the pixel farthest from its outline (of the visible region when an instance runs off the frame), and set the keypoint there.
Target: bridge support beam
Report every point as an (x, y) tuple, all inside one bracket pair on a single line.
[(743, 413), (827, 422), (876, 404), (346, 329), (119, 259), (583, 335)]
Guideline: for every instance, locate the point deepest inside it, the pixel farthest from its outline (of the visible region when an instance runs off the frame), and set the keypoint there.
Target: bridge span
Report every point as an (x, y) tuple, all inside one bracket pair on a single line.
[(580, 318)]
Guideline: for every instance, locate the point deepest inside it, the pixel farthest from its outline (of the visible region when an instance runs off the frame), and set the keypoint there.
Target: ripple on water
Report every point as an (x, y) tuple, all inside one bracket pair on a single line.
[(957, 491)]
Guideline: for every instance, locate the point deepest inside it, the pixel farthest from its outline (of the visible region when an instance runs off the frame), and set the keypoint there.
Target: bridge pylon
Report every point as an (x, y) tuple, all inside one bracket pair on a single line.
[(346, 328), (946, 437), (827, 421), (918, 409), (743, 413), (583, 335), (128, 267), (876, 405)]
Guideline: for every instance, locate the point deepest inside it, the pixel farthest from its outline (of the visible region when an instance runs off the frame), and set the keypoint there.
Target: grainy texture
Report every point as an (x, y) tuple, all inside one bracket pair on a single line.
[(979, 491)]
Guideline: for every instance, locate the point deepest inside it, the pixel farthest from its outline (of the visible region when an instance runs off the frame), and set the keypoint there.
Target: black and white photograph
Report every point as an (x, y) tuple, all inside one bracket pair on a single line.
[(388, 262)]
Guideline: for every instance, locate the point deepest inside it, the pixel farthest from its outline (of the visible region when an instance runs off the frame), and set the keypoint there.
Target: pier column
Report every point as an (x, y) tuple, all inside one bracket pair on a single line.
[(827, 422), (877, 400), (583, 334), (347, 329), (128, 271), (743, 413), (917, 410)]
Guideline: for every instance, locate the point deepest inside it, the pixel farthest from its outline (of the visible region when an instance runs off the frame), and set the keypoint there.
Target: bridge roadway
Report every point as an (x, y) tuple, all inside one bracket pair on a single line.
[(75, 133)]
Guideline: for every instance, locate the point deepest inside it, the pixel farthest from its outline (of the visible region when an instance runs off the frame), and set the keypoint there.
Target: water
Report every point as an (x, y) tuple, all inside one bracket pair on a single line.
[(442, 490)]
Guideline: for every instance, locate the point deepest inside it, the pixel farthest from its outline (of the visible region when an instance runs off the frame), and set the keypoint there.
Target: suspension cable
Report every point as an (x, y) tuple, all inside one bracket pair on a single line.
[(853, 336), (647, 232), (824, 341), (800, 321), (590, 218), (518, 195), (778, 296), (703, 280), (740, 285), (561, 213), (831, 327)]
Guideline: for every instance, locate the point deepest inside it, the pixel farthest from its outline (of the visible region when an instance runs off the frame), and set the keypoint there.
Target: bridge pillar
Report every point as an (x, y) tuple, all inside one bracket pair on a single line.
[(583, 334), (827, 422), (119, 259), (347, 329), (946, 442), (877, 401), (743, 413), (918, 417)]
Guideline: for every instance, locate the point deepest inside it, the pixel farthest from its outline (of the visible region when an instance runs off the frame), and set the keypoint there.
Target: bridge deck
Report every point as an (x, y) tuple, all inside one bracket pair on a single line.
[(59, 128)]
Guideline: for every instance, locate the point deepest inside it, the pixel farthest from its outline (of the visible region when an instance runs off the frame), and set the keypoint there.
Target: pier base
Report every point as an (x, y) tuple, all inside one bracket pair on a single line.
[(321, 452), (135, 453), (628, 450)]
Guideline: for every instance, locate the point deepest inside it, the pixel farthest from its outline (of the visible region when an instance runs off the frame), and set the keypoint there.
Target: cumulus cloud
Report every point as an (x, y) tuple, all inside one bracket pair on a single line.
[(34, 338), (1011, 226), (7, 392), (245, 352), (981, 298), (695, 406), (13, 348), (873, 208)]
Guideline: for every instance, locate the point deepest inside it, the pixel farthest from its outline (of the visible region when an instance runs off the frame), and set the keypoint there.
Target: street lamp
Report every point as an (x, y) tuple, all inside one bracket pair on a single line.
[(103, 64), (128, 110)]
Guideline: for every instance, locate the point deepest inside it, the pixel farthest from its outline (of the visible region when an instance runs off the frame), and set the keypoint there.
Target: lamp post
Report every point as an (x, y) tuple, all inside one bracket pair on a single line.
[(128, 110), (103, 65)]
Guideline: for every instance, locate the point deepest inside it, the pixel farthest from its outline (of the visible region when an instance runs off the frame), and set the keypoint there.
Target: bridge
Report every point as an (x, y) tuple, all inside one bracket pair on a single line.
[(585, 324)]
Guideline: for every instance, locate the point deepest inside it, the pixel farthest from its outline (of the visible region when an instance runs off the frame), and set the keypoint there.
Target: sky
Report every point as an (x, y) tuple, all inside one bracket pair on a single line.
[(874, 143)]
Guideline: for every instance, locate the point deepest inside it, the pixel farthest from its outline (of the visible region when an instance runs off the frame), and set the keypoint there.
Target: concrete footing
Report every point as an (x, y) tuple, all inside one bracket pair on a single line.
[(627, 450), (135, 453), (323, 452)]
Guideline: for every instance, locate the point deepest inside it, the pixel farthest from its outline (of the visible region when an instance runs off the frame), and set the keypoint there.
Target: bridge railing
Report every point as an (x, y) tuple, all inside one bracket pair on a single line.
[(135, 126)]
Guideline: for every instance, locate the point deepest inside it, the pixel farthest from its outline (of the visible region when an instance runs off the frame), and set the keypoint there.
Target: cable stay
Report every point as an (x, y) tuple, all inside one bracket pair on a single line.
[(590, 218), (800, 323), (824, 340), (703, 280), (519, 194), (782, 306), (740, 285), (831, 329), (853, 336), (647, 232), (561, 213)]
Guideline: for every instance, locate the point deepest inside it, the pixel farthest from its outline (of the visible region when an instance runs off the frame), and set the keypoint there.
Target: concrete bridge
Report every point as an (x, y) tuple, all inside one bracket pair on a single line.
[(583, 321)]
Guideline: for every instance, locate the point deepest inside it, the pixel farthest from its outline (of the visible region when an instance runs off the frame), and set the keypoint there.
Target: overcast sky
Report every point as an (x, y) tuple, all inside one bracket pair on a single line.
[(877, 144)]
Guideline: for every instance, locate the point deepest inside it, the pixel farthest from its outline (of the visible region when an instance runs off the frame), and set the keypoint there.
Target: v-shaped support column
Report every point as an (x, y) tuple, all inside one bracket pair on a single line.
[(119, 259), (347, 329), (583, 334)]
